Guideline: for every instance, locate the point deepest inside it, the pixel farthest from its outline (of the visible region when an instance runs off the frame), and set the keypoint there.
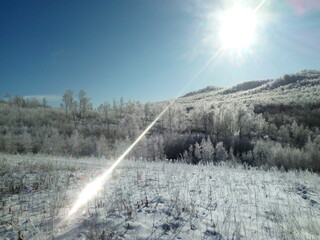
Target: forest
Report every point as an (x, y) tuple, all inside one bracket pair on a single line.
[(274, 122)]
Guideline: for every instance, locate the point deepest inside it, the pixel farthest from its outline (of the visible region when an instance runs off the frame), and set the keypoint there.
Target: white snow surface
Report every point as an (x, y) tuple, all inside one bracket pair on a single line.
[(155, 200)]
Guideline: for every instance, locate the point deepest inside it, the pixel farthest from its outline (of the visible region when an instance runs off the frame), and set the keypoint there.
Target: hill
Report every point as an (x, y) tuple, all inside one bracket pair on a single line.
[(268, 122), (204, 90), (301, 87)]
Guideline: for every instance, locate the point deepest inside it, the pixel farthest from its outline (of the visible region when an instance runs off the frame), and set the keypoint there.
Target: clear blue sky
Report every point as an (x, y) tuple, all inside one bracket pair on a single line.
[(144, 50)]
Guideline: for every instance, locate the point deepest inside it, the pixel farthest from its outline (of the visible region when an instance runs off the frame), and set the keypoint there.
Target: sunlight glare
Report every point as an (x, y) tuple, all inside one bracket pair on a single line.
[(237, 28)]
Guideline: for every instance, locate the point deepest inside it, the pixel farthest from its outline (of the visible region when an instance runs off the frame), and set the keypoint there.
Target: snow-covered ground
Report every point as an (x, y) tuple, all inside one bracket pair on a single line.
[(155, 200)]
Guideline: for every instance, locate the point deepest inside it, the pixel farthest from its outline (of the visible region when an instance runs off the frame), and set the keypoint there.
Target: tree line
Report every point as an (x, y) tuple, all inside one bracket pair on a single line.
[(246, 133)]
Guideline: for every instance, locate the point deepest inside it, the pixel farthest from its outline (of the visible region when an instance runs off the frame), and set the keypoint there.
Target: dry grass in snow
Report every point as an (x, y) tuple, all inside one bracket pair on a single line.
[(155, 200)]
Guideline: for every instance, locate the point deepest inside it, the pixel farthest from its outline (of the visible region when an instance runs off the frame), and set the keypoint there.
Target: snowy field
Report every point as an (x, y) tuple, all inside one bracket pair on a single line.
[(155, 200)]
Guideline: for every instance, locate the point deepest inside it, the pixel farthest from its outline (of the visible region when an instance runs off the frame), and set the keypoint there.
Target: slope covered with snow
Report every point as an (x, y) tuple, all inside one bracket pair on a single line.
[(302, 88)]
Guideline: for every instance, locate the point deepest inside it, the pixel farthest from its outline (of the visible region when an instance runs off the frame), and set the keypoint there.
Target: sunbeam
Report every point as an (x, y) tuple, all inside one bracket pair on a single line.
[(91, 189)]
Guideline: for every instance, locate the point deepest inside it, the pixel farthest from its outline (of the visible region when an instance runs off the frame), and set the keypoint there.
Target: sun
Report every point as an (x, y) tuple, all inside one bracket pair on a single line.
[(238, 28)]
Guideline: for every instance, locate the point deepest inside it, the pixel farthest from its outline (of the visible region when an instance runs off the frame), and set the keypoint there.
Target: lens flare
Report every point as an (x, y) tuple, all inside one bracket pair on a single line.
[(91, 189), (88, 193)]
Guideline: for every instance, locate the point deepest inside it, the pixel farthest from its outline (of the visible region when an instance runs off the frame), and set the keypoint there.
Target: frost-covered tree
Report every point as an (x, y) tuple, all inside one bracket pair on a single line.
[(103, 147), (221, 152), (53, 144), (299, 134), (198, 151), (312, 153), (141, 150), (169, 119), (84, 103), (187, 155), (207, 150), (261, 152), (129, 127), (179, 119), (120, 145), (68, 102), (284, 134), (121, 106), (146, 114), (107, 116), (10, 143), (156, 147), (25, 142)]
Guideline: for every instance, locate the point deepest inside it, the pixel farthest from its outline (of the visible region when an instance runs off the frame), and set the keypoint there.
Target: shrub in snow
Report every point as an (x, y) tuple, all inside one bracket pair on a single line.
[(207, 150), (221, 152)]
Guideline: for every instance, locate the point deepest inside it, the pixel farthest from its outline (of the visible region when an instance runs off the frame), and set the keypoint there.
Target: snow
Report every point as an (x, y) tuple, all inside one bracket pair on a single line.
[(155, 200)]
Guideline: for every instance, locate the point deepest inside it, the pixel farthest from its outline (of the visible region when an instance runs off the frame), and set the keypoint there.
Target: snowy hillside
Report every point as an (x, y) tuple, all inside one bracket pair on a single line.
[(155, 200), (301, 87)]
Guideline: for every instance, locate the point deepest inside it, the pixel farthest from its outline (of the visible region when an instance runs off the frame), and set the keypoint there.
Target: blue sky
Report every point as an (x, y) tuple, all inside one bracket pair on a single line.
[(145, 50)]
